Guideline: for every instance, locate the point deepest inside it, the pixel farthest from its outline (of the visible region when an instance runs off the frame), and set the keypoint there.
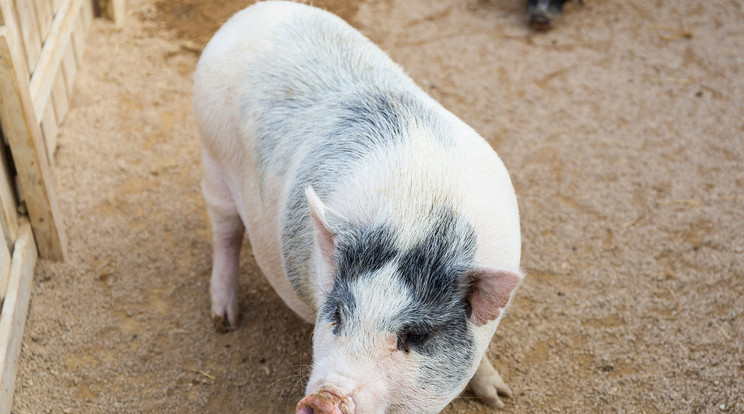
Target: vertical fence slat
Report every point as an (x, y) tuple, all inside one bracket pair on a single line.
[(44, 16), (61, 103), (15, 309), (8, 200), (49, 128), (60, 97), (87, 15), (55, 5), (13, 34), (29, 28), (78, 38), (69, 68), (4, 267)]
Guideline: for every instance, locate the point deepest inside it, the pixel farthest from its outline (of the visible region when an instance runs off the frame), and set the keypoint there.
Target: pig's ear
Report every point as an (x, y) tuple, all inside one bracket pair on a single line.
[(490, 291), (327, 224)]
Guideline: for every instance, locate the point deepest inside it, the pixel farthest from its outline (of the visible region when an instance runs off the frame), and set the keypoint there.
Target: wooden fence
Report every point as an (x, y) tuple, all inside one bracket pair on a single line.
[(41, 49)]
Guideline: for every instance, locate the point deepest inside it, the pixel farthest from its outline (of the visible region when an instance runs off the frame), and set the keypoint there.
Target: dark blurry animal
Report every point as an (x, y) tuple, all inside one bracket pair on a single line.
[(543, 12)]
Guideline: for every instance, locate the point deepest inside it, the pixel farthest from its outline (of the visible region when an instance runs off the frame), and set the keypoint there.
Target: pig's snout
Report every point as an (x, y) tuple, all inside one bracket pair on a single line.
[(328, 399)]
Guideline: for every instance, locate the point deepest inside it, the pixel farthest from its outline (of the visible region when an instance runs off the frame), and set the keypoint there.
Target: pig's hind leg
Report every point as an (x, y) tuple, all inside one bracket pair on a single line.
[(488, 385), (227, 237)]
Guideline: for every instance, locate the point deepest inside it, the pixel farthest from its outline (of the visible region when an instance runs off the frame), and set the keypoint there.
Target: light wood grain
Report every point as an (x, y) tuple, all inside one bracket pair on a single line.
[(15, 309), (60, 97), (50, 129), (29, 28), (55, 5), (78, 36), (44, 16), (69, 68), (27, 147), (13, 34), (42, 80), (87, 14), (8, 199), (4, 266)]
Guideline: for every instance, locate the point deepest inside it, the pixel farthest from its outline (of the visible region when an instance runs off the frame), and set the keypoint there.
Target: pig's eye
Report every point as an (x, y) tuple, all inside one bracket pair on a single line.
[(411, 338), (337, 315), (336, 319)]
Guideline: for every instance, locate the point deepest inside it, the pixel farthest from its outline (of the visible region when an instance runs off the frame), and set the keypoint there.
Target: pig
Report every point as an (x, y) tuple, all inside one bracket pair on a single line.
[(543, 12), (374, 213)]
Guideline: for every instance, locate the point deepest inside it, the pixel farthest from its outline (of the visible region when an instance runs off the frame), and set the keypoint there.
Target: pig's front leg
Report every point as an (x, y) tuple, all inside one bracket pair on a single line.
[(227, 237), (488, 385)]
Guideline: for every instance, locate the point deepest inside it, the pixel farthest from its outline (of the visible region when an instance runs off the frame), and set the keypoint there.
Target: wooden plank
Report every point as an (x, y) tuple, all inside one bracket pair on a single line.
[(15, 310), (44, 16), (4, 267), (49, 128), (60, 97), (114, 10), (42, 80), (55, 5), (29, 27), (69, 68), (14, 35), (78, 36), (29, 156), (8, 201), (87, 14)]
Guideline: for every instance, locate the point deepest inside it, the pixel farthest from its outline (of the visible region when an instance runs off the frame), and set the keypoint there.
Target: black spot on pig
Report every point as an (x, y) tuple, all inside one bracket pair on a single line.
[(434, 268), (434, 271), (338, 307), (361, 252), (373, 117), (364, 251)]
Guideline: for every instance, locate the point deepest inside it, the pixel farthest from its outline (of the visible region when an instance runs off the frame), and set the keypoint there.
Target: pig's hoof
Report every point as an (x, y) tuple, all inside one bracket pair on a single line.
[(222, 324), (489, 387), (224, 312), (225, 320), (489, 396)]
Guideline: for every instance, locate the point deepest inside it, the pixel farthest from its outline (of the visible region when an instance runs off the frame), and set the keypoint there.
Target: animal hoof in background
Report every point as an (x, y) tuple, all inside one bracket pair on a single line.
[(489, 387)]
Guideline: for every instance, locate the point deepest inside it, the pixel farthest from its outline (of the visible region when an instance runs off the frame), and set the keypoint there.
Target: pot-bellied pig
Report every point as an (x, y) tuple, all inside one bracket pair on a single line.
[(375, 213)]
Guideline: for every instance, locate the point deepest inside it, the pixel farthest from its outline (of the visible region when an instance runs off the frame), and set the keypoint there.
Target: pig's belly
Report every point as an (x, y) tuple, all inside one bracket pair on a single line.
[(261, 219)]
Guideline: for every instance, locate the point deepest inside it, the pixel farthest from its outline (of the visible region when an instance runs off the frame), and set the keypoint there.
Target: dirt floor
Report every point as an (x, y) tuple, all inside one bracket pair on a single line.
[(623, 129)]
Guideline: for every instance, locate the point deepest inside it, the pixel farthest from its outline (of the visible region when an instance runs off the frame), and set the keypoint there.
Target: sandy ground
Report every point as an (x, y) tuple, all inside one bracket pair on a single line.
[(623, 129)]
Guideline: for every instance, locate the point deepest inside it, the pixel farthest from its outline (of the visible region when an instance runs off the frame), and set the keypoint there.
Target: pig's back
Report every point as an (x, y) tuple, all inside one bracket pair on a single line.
[(281, 80)]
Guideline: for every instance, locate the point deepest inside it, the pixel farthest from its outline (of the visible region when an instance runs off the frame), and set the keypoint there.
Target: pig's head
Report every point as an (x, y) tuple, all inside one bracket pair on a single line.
[(401, 316)]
